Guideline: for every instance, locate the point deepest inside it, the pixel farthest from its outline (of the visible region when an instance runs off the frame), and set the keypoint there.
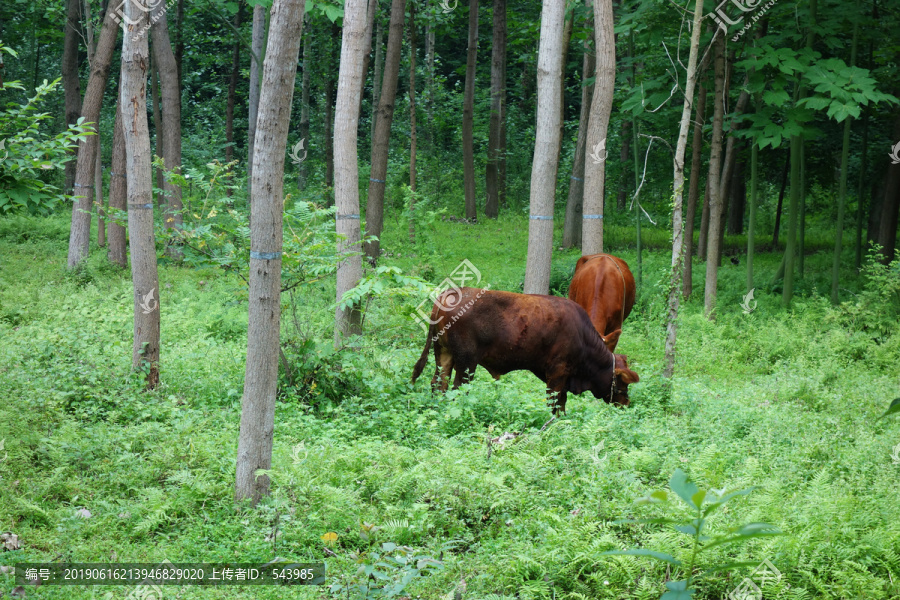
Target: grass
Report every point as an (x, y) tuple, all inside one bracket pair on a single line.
[(785, 400)]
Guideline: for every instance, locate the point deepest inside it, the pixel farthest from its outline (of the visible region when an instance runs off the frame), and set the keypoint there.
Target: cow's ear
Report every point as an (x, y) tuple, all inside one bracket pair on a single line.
[(627, 376), (611, 339)]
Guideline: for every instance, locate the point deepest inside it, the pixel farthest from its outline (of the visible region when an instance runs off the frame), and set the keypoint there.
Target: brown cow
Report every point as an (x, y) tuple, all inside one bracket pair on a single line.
[(550, 336), (604, 286)]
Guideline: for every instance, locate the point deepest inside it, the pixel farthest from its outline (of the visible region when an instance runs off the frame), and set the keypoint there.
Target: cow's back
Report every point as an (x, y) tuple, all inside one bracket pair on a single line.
[(604, 286)]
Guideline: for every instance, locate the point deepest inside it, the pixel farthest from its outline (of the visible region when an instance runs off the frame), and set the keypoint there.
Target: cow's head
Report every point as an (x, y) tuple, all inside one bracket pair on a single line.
[(622, 377)]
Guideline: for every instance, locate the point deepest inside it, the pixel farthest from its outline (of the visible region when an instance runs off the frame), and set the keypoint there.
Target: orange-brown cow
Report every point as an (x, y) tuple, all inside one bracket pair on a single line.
[(550, 336), (604, 286)]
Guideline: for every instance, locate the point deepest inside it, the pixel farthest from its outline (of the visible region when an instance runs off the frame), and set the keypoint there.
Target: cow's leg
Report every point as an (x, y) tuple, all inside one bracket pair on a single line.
[(556, 392), (464, 374), (444, 362)]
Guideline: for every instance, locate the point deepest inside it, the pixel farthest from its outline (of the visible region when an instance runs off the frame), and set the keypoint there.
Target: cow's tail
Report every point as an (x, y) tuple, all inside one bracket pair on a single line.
[(423, 360)]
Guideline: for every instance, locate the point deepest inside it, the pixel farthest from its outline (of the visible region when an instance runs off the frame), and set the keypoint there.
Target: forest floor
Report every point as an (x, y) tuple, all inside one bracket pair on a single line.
[(93, 469)]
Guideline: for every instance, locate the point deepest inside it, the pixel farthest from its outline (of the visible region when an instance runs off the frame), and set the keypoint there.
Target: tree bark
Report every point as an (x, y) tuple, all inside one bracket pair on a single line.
[(170, 92), (546, 147), (598, 123), (678, 187), (118, 189), (70, 80), (329, 112), (80, 234), (263, 329), (713, 247), (350, 82), (376, 79), (412, 122), (232, 89), (754, 192), (179, 39), (572, 230), (625, 136), (703, 238), (371, 10), (887, 231), (498, 111), (98, 194), (256, 65), (738, 190), (157, 130), (694, 188), (304, 105), (468, 114), (784, 178), (381, 141), (136, 134)]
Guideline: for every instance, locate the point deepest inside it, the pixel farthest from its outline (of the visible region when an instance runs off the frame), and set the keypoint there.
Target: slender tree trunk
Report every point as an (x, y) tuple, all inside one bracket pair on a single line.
[(639, 263), (754, 198), (232, 90), (498, 101), (801, 233), (598, 124), (890, 206), (371, 10), (179, 39), (70, 80), (694, 188), (303, 175), (713, 247), (842, 193), (347, 320), (170, 92), (80, 234), (98, 193), (429, 75), (797, 185), (468, 115), (256, 65), (860, 189), (329, 110), (263, 329), (376, 77), (703, 238), (133, 103), (572, 230), (382, 139), (157, 130), (546, 148), (678, 187), (778, 208), (738, 203), (412, 122), (625, 136), (118, 189)]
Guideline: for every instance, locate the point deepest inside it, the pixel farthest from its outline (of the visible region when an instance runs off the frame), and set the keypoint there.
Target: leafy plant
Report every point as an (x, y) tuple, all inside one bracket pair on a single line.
[(702, 504), (385, 573), (27, 153)]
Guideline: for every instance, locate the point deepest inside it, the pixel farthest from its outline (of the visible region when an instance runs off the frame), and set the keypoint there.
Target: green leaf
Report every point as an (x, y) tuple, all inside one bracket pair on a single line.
[(684, 488), (641, 552), (678, 590), (744, 532), (728, 567), (892, 409)]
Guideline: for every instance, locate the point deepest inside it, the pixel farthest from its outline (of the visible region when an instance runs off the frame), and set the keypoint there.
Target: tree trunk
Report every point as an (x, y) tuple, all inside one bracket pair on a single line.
[(118, 189), (263, 328), (157, 130), (778, 209), (625, 136), (232, 90), (842, 192), (80, 234), (694, 188), (347, 321), (136, 134), (98, 193), (376, 78), (164, 59), (887, 232), (639, 263), (498, 111), (546, 147), (598, 123), (801, 233), (304, 105), (754, 198), (703, 238), (179, 40), (738, 191), (329, 111), (468, 115), (429, 74), (70, 80), (678, 187), (797, 185), (371, 10), (256, 66), (572, 230), (860, 188), (713, 247), (412, 122), (381, 141)]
